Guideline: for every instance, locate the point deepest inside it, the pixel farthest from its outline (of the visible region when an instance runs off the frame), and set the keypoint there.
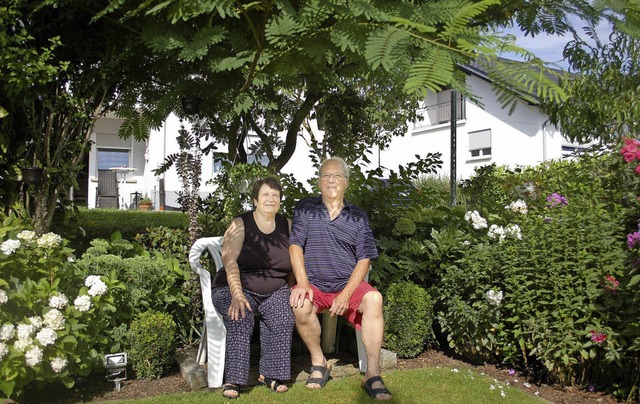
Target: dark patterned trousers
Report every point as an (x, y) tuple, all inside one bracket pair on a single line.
[(276, 330)]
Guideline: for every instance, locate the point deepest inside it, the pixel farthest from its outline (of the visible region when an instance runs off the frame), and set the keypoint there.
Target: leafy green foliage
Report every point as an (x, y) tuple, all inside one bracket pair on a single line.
[(53, 320), (408, 314), (152, 344), (105, 223)]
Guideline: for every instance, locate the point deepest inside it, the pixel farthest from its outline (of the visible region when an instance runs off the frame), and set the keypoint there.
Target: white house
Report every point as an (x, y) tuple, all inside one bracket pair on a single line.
[(484, 135)]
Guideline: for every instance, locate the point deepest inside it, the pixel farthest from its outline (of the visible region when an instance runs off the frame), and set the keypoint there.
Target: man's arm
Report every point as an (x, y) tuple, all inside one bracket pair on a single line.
[(302, 282), (341, 302)]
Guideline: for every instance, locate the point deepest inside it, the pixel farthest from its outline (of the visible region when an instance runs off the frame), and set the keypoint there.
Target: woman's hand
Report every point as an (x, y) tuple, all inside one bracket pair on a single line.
[(239, 304)]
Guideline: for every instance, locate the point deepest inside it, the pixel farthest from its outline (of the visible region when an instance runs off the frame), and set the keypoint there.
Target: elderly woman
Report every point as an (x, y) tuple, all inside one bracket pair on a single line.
[(256, 279)]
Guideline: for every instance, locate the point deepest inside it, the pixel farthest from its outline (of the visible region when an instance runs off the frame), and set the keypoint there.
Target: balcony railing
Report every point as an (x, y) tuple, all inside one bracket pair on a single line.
[(441, 113)]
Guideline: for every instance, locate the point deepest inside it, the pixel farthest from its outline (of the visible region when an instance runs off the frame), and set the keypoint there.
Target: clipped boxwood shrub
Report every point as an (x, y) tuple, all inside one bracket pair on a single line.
[(408, 315), (152, 340)]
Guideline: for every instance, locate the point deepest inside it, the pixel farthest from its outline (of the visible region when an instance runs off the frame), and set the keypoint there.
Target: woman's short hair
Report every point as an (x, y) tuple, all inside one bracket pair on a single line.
[(344, 165), (270, 182)]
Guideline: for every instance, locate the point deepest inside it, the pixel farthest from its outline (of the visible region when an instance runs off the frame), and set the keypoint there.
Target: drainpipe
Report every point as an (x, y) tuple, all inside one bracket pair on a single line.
[(544, 139)]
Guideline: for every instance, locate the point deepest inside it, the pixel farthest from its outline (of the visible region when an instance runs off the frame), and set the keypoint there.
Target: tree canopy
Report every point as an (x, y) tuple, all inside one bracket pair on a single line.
[(267, 66), (602, 102)]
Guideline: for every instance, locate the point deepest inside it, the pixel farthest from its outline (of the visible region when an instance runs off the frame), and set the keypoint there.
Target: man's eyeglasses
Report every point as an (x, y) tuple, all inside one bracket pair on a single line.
[(337, 177)]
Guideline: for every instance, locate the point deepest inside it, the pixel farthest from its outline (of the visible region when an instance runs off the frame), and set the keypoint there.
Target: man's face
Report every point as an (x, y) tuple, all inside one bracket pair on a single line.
[(333, 180)]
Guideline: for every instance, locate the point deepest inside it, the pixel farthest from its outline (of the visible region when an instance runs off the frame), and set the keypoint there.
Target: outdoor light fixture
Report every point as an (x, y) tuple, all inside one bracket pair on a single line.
[(32, 175), (191, 105), (116, 365)]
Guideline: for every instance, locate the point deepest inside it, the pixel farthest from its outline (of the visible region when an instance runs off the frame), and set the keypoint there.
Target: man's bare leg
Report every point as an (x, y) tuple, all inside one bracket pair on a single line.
[(372, 333), (309, 330)]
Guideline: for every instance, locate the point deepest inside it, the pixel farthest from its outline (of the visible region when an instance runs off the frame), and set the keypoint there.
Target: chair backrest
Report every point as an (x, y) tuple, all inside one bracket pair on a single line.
[(107, 183), (214, 246)]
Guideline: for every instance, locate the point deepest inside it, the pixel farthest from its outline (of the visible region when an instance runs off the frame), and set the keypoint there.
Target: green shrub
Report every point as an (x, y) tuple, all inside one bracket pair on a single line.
[(153, 283), (152, 340), (408, 315), (102, 223)]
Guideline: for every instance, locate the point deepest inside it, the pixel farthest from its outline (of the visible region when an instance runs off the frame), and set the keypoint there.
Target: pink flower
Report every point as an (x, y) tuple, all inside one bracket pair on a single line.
[(628, 157), (611, 284), (597, 336), (637, 170)]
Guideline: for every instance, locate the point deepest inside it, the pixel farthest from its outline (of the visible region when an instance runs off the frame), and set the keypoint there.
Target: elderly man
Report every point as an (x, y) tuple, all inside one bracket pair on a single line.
[(331, 246)]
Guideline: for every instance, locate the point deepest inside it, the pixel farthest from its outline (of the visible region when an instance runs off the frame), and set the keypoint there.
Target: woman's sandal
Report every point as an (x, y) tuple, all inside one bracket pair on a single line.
[(272, 384), (320, 381), (230, 387), (367, 385)]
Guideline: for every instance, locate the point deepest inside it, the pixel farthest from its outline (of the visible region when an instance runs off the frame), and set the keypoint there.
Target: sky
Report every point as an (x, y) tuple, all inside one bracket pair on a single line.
[(549, 47)]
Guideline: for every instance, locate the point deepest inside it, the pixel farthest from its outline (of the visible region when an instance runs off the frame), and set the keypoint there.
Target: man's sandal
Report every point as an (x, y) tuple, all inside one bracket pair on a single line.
[(367, 385), (320, 381), (230, 387), (272, 384)]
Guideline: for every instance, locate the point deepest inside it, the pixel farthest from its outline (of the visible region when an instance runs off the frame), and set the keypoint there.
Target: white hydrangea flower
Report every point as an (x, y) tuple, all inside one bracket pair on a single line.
[(7, 332), (27, 235), (33, 356), (54, 319), (477, 221), (518, 206), (494, 297), (58, 364), (513, 230), (92, 280), (496, 231), (23, 344), (4, 349), (71, 259), (25, 330), (46, 336), (49, 240), (36, 321), (98, 289), (59, 301), (3, 297), (10, 246), (82, 303)]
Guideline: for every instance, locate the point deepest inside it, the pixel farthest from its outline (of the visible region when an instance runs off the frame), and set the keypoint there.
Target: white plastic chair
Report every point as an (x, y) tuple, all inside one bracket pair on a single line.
[(213, 343), (214, 334)]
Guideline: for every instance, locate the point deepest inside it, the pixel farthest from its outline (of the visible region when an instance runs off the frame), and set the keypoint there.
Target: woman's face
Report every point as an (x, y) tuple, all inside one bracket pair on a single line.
[(268, 200)]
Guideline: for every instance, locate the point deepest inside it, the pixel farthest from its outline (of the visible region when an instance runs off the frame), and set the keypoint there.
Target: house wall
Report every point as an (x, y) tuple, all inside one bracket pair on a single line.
[(516, 139), (105, 135), (523, 138)]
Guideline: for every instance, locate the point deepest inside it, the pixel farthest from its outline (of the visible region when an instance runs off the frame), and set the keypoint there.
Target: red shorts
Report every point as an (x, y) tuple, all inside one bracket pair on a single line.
[(324, 300)]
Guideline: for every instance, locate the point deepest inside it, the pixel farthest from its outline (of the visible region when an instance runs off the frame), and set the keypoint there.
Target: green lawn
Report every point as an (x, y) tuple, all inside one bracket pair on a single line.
[(427, 385)]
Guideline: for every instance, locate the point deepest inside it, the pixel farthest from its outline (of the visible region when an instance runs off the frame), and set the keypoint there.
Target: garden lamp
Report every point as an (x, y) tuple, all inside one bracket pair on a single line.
[(116, 365)]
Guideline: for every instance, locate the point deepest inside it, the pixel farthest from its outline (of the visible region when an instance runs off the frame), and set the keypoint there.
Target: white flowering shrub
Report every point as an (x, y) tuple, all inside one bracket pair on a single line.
[(52, 322)]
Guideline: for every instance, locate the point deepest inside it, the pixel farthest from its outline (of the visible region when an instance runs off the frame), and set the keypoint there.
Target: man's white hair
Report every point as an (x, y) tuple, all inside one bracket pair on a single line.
[(344, 165)]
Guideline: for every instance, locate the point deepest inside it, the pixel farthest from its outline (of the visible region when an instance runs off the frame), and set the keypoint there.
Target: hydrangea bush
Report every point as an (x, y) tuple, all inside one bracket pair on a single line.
[(51, 322)]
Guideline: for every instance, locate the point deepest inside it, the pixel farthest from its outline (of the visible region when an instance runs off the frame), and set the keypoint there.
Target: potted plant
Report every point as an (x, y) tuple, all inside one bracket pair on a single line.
[(145, 203)]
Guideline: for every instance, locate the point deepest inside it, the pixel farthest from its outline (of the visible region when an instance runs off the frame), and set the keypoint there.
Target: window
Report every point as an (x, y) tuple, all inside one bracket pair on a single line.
[(108, 158), (219, 158), (441, 112), (480, 143)]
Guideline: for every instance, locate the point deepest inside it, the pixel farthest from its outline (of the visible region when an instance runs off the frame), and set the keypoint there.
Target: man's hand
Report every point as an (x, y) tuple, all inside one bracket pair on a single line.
[(238, 306), (298, 294), (340, 304)]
